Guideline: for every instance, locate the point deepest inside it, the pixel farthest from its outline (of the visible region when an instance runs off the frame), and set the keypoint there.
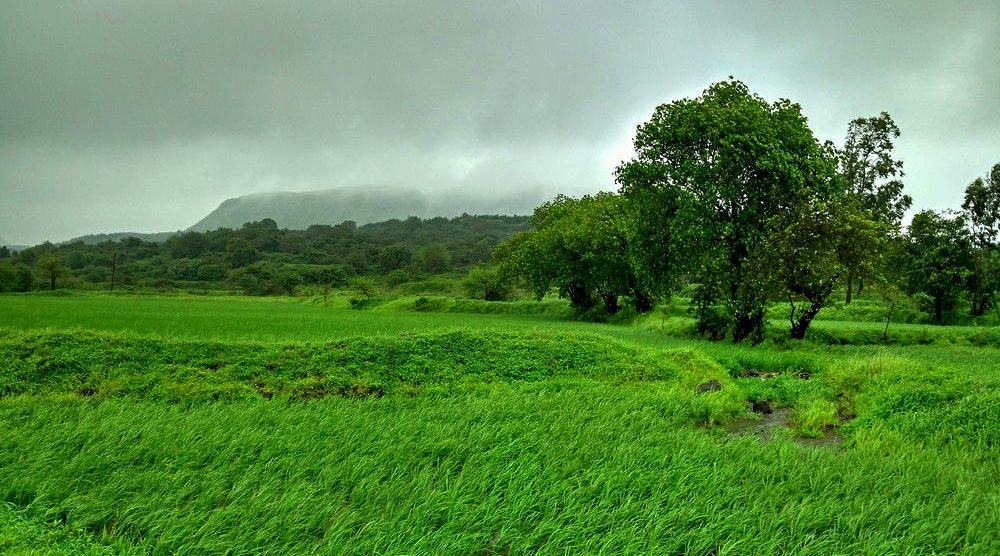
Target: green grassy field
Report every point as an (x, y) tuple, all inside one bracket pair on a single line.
[(136, 424)]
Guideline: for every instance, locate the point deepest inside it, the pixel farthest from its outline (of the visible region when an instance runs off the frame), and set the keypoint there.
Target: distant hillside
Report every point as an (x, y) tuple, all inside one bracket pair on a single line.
[(299, 210), (268, 260), (94, 239)]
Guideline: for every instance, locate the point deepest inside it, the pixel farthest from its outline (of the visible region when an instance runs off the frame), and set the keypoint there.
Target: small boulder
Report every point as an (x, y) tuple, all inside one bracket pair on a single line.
[(762, 406), (710, 386)]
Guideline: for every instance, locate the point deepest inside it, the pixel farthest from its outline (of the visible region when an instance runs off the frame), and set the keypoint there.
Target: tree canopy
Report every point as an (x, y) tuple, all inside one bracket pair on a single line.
[(731, 171)]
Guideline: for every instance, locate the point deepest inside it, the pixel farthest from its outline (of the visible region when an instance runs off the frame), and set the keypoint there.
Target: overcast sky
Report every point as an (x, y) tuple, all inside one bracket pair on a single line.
[(143, 116)]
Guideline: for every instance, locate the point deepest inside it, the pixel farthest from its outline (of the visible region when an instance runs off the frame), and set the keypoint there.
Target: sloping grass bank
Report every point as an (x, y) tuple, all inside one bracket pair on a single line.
[(98, 365)]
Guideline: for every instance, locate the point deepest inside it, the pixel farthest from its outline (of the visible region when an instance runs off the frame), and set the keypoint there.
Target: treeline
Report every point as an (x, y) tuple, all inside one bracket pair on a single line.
[(732, 199), (260, 258)]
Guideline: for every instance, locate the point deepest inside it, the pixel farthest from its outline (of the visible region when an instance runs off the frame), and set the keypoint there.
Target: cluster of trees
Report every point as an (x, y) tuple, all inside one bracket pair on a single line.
[(946, 255), (581, 247), (734, 198), (260, 258)]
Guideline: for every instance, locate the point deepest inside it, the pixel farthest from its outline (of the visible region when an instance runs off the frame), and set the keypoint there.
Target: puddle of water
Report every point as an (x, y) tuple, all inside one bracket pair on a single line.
[(769, 424), (763, 428)]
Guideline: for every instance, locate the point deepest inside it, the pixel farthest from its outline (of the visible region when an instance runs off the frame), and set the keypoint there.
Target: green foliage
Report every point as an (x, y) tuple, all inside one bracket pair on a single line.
[(815, 416), (217, 259), (727, 168), (22, 535), (52, 270), (101, 366), (939, 256), (393, 257), (581, 248), (267, 278), (488, 283), (398, 277), (435, 259), (867, 163), (240, 252), (189, 245), (15, 278), (365, 287), (982, 210), (815, 251)]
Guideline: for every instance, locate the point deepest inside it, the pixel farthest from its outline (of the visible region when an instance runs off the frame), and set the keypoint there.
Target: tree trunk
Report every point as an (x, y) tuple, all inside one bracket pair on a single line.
[(976, 306), (979, 303), (741, 328), (850, 288), (643, 301), (861, 286), (52, 281), (801, 324), (748, 325), (610, 303), (938, 309), (579, 296)]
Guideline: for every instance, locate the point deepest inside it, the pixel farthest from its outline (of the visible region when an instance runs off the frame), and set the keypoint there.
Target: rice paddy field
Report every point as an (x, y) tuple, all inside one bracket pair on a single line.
[(138, 424)]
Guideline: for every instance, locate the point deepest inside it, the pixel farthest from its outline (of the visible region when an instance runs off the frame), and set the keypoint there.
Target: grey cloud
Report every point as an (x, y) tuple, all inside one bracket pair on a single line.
[(145, 115)]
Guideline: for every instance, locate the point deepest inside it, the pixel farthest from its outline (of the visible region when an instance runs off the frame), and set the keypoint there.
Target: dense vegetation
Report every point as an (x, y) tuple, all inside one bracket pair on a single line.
[(733, 199), (259, 258), (393, 430)]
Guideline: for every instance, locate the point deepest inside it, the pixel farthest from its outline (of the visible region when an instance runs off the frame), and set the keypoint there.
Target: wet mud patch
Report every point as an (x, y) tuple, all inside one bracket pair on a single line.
[(763, 425), (764, 375), (767, 426)]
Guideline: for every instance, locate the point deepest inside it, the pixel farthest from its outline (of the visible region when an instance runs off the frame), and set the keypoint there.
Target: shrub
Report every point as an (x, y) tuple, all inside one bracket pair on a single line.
[(16, 278), (486, 282)]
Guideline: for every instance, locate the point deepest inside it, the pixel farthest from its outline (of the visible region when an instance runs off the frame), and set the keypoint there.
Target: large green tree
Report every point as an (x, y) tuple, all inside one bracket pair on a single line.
[(52, 269), (814, 252), (938, 253), (730, 169), (15, 278), (982, 211), (580, 247), (874, 179)]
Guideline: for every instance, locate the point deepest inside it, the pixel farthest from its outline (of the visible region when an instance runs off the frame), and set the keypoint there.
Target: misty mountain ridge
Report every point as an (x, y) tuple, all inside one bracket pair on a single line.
[(364, 205)]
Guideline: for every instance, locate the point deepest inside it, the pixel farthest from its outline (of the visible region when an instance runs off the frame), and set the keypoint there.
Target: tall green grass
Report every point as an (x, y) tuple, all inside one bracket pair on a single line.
[(104, 365), (287, 319), (538, 469), (152, 425)]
